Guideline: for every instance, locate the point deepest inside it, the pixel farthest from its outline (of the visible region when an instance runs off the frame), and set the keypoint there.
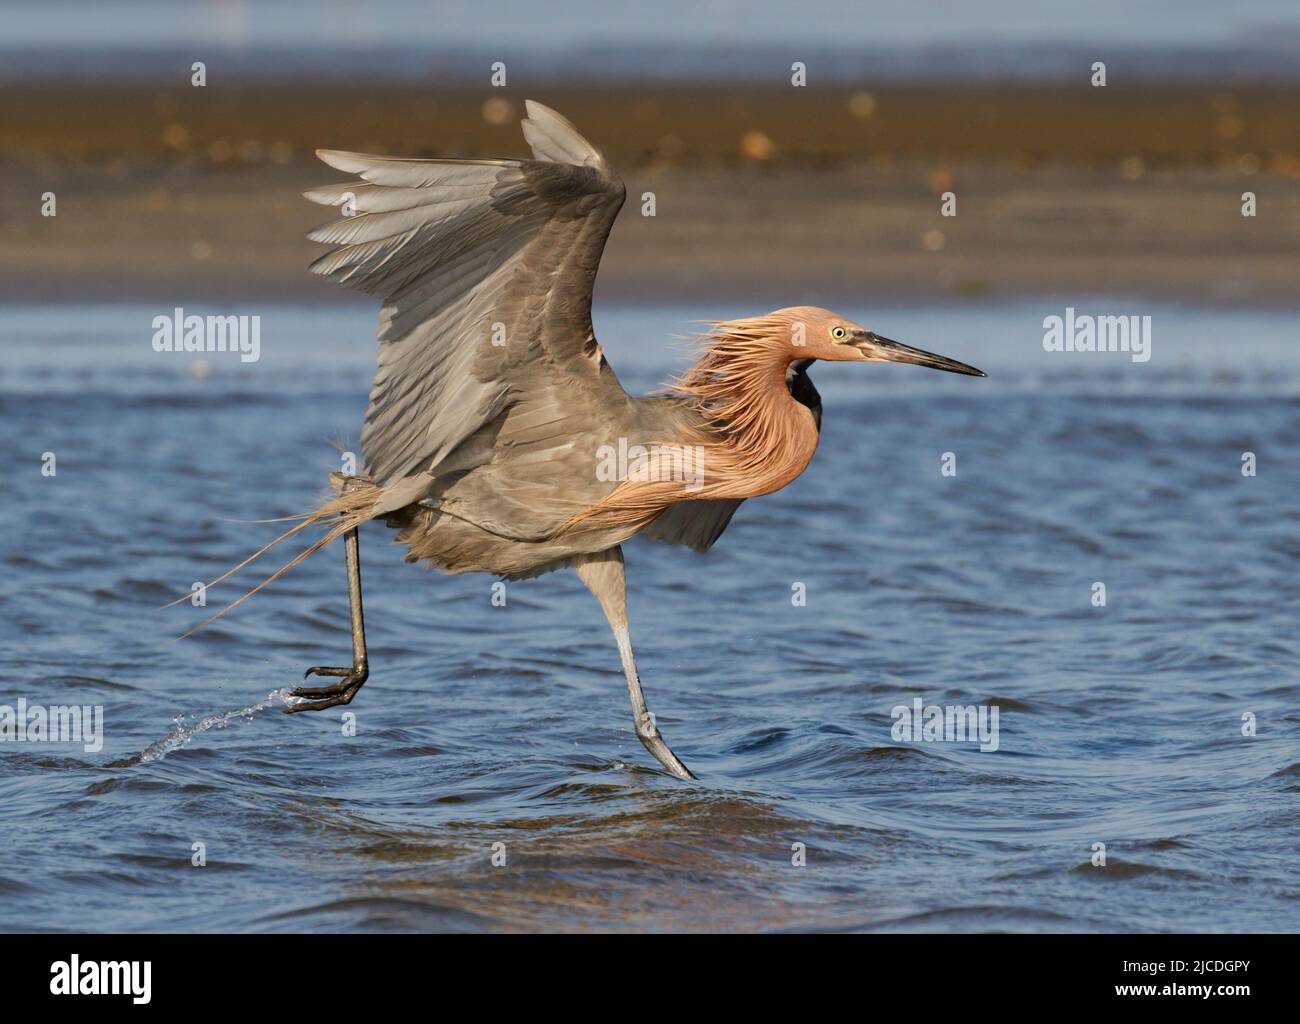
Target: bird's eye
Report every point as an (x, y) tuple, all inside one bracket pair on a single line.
[(839, 333)]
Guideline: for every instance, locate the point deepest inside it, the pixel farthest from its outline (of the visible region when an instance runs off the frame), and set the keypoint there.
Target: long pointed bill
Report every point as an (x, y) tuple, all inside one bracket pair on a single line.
[(884, 350)]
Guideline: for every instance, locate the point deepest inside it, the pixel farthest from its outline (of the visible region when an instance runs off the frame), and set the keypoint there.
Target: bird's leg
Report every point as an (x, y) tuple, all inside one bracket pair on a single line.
[(603, 575), (354, 678), (646, 728)]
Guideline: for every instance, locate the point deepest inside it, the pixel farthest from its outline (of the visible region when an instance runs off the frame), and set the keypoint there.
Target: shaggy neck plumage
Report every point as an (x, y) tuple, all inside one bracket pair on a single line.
[(756, 438), (765, 437)]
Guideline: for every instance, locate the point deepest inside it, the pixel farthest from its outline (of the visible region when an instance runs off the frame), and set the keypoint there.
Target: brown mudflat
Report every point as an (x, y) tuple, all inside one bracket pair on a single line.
[(773, 193)]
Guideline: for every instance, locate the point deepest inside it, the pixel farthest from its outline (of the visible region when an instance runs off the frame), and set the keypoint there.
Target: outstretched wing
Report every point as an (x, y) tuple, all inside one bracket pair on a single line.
[(486, 270)]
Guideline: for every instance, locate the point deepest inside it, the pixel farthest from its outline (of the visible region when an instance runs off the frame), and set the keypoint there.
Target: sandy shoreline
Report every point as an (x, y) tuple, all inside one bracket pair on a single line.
[(779, 195)]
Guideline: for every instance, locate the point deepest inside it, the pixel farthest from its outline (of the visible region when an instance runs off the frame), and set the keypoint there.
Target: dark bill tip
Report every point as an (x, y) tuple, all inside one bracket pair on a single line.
[(888, 350)]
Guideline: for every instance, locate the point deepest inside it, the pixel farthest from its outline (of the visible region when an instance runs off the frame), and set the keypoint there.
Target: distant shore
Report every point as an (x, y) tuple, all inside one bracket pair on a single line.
[(780, 194)]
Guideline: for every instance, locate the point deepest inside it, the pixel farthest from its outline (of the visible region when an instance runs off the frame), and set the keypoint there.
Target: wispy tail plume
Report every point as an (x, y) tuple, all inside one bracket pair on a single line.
[(354, 504)]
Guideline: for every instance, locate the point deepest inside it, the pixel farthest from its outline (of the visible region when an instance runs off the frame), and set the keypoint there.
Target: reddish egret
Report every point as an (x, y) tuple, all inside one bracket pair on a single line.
[(498, 438)]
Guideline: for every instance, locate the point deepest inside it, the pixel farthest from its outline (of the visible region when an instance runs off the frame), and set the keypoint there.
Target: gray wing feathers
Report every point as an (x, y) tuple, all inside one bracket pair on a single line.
[(697, 524), (455, 247), (554, 139)]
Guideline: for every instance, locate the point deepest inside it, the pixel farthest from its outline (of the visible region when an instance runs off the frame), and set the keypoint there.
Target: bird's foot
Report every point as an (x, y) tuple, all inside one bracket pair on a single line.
[(653, 741), (317, 698)]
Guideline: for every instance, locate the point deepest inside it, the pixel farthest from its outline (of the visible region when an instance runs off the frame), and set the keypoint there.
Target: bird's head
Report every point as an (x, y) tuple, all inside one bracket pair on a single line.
[(815, 333)]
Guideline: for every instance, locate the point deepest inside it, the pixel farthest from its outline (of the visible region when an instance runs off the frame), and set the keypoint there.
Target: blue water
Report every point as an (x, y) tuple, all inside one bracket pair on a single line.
[(578, 40), (482, 725)]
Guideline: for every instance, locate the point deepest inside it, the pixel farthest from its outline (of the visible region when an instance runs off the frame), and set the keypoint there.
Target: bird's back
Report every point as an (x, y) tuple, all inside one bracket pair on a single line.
[(506, 515), (515, 504)]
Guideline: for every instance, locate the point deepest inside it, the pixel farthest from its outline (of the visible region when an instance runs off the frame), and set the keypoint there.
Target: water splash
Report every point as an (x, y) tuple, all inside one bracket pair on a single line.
[(183, 733)]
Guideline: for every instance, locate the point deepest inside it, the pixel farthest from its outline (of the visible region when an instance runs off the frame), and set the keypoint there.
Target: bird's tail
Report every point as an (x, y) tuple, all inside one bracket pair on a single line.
[(354, 503)]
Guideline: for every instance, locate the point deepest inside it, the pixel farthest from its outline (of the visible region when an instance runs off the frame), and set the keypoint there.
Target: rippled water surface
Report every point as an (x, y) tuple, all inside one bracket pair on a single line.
[(481, 725)]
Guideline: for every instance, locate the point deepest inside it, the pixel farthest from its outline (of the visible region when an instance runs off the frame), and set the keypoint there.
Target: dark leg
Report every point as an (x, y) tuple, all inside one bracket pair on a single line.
[(354, 678)]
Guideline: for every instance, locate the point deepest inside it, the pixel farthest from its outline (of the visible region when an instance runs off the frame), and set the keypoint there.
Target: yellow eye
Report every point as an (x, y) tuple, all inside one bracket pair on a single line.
[(839, 333)]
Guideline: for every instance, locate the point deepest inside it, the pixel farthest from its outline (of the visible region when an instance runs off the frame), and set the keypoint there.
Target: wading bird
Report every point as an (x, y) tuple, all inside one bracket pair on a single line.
[(494, 410)]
